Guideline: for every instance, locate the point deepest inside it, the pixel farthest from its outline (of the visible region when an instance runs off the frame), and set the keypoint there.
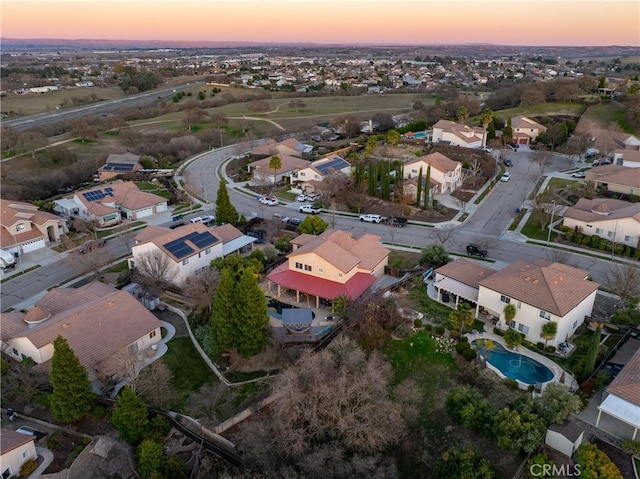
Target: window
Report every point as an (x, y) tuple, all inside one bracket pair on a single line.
[(199, 254), (519, 304), (545, 315), (25, 454), (15, 352), (505, 299), (575, 324), (152, 334), (610, 234), (523, 329), (339, 275), (20, 227), (185, 261), (298, 265), (599, 231), (627, 238), (512, 325), (320, 270), (302, 173), (307, 267), (207, 251)]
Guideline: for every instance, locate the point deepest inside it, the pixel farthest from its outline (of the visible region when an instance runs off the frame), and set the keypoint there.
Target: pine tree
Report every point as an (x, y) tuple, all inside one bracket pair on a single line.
[(491, 131), (222, 317), (225, 212), (427, 188), (419, 193), (150, 456), (72, 396), (130, 416), (507, 132), (372, 179), (250, 318), (592, 352)]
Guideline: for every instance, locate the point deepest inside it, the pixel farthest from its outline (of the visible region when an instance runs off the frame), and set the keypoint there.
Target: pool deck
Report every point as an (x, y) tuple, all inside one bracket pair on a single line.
[(557, 371)]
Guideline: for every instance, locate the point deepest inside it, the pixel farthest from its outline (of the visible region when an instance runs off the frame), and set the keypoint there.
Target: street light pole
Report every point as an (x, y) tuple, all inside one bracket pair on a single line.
[(551, 222)]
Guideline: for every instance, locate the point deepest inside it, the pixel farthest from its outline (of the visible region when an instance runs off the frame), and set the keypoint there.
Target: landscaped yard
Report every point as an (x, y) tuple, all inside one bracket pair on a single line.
[(416, 356), (155, 188), (434, 312), (532, 230), (403, 259)]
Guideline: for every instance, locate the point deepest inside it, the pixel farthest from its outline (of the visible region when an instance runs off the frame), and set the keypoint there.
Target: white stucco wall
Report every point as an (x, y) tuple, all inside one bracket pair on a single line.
[(14, 459)]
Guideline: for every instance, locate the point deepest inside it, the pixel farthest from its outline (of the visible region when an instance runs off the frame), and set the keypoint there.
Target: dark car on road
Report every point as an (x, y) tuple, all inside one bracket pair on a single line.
[(475, 250), (508, 162), (397, 221)]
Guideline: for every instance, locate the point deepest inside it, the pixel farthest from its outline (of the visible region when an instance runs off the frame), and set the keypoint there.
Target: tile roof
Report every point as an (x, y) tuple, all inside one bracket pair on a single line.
[(521, 121), (552, 287), (465, 271), (289, 163), (10, 440), (603, 209), (97, 321), (125, 194), (437, 161), (627, 383), (629, 155), (462, 132), (226, 232), (12, 212), (615, 174)]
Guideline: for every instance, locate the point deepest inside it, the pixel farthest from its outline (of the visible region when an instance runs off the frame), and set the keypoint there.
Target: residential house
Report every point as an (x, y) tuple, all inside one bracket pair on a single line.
[(615, 220), (262, 173), (627, 157), (176, 254), (330, 265), (445, 172), (456, 134), (108, 204), (308, 179), (621, 399), (615, 178), (525, 130), (540, 292), (15, 449), (25, 228), (289, 147), (99, 322), (119, 164)]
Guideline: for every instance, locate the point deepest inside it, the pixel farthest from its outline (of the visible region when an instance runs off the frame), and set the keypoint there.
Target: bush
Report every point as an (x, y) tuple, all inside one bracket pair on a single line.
[(464, 339), (28, 467), (550, 349), (631, 447), (540, 345), (511, 383), (440, 330), (461, 346), (469, 354), (417, 323), (498, 331), (454, 334), (428, 327)]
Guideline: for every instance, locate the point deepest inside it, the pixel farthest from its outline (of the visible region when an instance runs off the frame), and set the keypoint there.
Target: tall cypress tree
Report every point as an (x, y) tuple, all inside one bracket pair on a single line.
[(419, 193), (72, 396), (222, 317), (225, 212), (427, 188), (372, 178), (250, 318), (130, 416)]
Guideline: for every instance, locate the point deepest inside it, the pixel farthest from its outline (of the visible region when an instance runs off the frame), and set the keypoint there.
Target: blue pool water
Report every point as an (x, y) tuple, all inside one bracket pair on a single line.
[(420, 134), (515, 365)]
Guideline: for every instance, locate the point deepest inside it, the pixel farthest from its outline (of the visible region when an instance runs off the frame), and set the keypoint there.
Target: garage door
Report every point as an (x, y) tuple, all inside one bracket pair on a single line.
[(522, 141), (161, 207), (144, 213), (33, 245)]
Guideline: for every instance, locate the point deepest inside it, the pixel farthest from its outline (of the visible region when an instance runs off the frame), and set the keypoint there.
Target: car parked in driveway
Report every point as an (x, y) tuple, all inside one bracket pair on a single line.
[(372, 218), (505, 177), (302, 197), (578, 174), (309, 209)]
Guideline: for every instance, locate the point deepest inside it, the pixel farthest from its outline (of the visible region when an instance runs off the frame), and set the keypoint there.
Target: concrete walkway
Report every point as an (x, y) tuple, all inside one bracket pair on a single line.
[(47, 458)]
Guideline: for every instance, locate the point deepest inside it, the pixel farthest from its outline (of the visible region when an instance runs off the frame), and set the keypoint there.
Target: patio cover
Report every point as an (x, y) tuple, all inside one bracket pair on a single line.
[(458, 288), (323, 288), (297, 316), (623, 410), (237, 243)]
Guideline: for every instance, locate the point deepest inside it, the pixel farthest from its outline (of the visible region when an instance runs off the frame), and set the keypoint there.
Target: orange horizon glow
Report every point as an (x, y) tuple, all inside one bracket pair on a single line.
[(515, 22)]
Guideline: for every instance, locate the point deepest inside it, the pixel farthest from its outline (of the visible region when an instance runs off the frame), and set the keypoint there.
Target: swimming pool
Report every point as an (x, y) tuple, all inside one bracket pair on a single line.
[(515, 365), (420, 134)]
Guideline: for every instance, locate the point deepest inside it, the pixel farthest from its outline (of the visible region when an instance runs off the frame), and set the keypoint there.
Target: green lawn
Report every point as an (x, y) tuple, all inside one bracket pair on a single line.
[(517, 220), (189, 370), (542, 109), (556, 183), (416, 356), (403, 259), (532, 230), (118, 267), (154, 188), (434, 312)]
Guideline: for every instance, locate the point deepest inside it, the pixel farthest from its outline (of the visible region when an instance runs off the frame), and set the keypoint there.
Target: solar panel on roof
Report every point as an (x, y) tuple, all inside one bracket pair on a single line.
[(202, 240), (179, 248), (93, 195), (336, 163)]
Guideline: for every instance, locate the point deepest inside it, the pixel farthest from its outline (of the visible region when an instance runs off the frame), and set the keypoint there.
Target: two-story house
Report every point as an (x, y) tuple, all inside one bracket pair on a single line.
[(456, 134), (261, 172), (330, 265), (15, 449), (308, 179), (445, 172), (615, 220), (98, 321), (25, 228), (108, 204), (173, 255), (525, 130)]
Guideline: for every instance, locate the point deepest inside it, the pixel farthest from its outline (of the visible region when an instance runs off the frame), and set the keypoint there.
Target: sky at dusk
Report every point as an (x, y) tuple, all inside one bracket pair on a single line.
[(513, 22)]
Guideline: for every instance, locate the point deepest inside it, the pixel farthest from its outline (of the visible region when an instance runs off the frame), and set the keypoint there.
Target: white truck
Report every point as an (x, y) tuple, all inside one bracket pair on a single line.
[(7, 260)]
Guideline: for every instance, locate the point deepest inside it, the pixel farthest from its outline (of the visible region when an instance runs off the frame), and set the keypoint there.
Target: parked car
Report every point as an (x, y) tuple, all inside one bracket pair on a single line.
[(507, 162), (514, 145), (397, 221), (602, 161), (92, 245), (372, 218), (206, 219), (475, 250), (302, 197), (314, 196), (269, 200), (310, 209), (31, 432), (578, 174), (505, 177)]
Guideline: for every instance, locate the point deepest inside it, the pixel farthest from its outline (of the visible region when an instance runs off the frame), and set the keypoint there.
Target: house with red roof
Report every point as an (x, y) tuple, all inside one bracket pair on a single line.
[(25, 228), (15, 449), (330, 265), (261, 172), (457, 134), (525, 130), (446, 174), (616, 178), (98, 321)]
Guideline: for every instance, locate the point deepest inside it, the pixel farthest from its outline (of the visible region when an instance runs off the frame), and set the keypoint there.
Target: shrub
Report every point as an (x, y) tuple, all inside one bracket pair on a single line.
[(417, 323), (454, 334), (440, 330), (586, 240), (462, 346), (510, 383), (28, 467), (428, 327), (595, 463), (469, 354), (99, 412), (540, 345), (531, 388), (550, 349), (464, 339), (498, 331), (631, 447)]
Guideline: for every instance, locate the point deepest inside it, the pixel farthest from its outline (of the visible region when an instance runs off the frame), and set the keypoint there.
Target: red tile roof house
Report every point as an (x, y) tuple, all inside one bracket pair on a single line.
[(445, 172), (616, 178), (261, 172), (15, 449), (622, 397), (525, 130), (290, 147), (456, 134), (25, 228), (187, 249), (541, 292), (330, 265), (99, 322), (108, 203)]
